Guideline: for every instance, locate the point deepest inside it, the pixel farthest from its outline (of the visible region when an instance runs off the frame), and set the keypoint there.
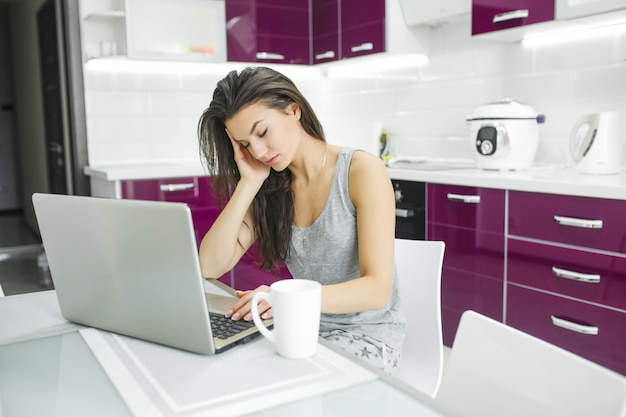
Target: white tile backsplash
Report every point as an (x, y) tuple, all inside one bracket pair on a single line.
[(134, 116)]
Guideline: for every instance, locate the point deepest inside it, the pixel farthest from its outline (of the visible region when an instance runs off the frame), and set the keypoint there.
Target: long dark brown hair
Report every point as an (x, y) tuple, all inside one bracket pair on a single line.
[(272, 208)]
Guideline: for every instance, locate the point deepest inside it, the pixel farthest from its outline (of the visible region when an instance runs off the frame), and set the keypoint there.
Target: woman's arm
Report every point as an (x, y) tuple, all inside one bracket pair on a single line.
[(372, 194), (232, 234)]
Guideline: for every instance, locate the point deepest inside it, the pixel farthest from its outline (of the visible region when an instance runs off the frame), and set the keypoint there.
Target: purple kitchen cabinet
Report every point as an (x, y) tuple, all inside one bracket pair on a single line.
[(272, 31), (580, 221), (471, 222), (594, 277), (466, 207), (570, 324), (325, 25), (462, 291), (471, 250), (494, 15), (362, 27)]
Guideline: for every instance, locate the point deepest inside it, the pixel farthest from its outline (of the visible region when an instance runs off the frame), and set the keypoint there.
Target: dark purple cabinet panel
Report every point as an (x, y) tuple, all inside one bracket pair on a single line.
[(468, 207), (325, 28), (362, 27), (493, 15), (476, 252), (533, 215), (533, 311), (580, 274), (461, 291), (268, 31)]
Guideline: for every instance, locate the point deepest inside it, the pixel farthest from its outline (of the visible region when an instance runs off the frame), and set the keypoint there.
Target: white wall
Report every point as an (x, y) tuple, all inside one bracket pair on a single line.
[(135, 116), (562, 81)]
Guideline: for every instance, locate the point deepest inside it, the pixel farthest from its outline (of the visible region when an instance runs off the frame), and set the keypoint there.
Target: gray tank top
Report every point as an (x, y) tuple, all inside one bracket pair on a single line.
[(327, 252)]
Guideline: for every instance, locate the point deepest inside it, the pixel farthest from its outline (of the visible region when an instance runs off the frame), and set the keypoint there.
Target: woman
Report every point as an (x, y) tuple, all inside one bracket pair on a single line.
[(327, 212)]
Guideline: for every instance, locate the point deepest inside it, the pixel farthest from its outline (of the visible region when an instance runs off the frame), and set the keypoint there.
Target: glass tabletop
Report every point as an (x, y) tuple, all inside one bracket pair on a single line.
[(59, 375), (55, 376)]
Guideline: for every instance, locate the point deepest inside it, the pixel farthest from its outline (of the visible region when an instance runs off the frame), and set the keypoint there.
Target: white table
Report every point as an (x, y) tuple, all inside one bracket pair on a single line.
[(51, 367)]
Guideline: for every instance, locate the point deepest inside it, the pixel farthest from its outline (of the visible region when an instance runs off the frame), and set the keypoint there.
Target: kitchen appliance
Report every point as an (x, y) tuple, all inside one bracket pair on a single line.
[(410, 209), (596, 143), (504, 135)]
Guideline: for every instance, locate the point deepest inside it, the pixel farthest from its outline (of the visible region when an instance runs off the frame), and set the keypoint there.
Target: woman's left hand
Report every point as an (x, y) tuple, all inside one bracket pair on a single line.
[(242, 308)]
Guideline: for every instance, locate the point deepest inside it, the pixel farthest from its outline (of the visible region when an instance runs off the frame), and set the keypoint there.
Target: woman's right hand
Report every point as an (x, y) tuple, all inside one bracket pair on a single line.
[(250, 168)]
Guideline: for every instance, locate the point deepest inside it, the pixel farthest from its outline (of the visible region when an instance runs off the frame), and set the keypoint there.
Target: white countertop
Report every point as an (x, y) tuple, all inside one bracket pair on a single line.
[(146, 170), (544, 179)]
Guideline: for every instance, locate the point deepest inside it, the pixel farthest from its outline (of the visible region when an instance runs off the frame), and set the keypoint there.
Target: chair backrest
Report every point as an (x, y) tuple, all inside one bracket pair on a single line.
[(419, 263), (496, 370)]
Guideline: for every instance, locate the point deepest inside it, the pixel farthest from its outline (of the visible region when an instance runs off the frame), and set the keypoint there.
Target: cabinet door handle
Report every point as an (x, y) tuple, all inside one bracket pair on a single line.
[(576, 276), (512, 15), (584, 223), (474, 199), (169, 188), (366, 46), (270, 55), (575, 327), (325, 55), (405, 213)]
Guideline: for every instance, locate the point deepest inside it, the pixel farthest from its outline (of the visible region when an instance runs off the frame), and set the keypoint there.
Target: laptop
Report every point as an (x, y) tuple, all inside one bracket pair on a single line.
[(131, 267)]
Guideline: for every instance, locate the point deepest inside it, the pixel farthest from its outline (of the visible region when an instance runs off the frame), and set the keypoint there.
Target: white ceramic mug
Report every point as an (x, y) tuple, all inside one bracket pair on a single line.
[(296, 305)]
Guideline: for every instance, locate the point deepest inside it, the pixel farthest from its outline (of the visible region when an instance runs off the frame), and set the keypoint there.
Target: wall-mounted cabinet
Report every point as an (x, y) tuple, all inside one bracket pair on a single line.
[(516, 20), (268, 31), (191, 30), (571, 9), (494, 16), (434, 12), (103, 28)]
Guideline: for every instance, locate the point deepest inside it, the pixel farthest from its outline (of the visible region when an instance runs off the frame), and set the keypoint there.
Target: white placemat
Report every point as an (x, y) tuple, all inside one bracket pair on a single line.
[(158, 380)]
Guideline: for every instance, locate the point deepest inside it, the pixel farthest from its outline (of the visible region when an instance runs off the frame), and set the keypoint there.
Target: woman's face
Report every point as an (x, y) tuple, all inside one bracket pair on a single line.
[(269, 135)]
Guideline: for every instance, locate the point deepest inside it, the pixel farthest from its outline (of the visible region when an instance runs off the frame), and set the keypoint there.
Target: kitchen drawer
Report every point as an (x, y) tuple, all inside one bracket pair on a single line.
[(581, 221), (532, 311), (580, 274), (195, 191), (469, 250), (468, 207), (461, 291)]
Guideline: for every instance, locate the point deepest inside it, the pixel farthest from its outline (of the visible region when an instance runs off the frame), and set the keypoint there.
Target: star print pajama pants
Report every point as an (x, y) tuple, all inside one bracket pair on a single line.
[(366, 348)]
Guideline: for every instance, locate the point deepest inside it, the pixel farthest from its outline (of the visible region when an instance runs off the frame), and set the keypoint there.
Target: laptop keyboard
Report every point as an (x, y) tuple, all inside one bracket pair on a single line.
[(225, 327)]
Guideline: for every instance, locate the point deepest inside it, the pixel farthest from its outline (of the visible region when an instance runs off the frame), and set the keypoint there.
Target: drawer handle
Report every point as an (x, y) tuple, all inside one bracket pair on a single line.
[(512, 15), (169, 188), (576, 276), (583, 223), (474, 199), (270, 55), (367, 46), (575, 327), (325, 55), (405, 213)]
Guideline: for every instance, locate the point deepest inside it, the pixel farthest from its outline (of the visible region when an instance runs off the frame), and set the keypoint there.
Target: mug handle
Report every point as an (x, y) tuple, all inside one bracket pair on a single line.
[(257, 318)]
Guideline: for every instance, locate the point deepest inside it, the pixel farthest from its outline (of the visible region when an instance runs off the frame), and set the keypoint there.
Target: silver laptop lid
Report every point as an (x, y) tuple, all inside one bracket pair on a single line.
[(126, 266)]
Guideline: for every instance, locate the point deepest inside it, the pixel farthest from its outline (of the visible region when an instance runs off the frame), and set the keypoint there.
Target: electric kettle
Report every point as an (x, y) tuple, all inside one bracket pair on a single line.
[(596, 143)]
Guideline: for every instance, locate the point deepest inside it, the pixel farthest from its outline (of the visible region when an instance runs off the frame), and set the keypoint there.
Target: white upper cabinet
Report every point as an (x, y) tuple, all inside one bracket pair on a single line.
[(570, 9), (190, 30), (418, 12)]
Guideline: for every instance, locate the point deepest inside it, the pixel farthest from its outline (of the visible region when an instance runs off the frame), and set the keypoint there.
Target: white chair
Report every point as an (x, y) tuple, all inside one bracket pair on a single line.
[(496, 370), (419, 263)]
